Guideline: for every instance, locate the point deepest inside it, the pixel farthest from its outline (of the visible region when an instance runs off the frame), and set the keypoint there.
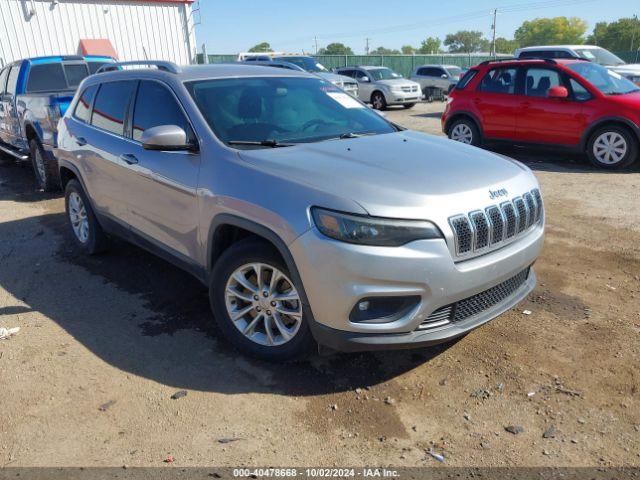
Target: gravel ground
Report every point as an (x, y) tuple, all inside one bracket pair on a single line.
[(106, 341)]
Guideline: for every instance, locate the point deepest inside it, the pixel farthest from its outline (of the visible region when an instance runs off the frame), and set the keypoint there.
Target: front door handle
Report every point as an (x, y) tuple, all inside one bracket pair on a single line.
[(129, 158), (81, 141)]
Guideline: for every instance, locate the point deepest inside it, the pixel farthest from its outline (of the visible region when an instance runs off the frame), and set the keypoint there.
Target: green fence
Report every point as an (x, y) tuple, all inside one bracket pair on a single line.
[(402, 64)]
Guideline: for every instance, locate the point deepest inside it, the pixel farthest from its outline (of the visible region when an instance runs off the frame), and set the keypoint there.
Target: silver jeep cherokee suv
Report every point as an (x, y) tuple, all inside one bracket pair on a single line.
[(309, 216)]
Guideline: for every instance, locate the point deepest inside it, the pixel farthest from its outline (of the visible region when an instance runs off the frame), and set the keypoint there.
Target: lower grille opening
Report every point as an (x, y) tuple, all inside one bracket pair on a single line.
[(476, 304)]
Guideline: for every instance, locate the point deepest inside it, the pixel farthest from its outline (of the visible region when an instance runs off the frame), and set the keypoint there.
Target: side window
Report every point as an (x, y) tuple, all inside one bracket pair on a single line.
[(3, 79), (155, 106), (579, 92), (83, 108), (539, 80), (94, 66), (12, 82), (499, 80), (359, 74), (537, 54), (109, 110)]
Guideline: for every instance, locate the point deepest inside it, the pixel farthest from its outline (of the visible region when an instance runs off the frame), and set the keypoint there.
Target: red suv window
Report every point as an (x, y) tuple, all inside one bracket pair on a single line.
[(499, 80)]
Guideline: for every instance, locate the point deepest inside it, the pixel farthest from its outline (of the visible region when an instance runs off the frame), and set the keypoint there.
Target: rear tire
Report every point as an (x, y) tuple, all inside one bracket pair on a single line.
[(378, 101), (44, 166), (612, 148), (85, 229), (464, 130), (259, 330)]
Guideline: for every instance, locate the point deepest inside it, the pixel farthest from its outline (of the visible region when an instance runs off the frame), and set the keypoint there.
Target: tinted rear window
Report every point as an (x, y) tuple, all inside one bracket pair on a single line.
[(46, 78), (111, 104), (75, 74)]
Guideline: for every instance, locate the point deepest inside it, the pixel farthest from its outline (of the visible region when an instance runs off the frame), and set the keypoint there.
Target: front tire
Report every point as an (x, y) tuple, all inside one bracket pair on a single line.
[(378, 101), (44, 166), (256, 304), (464, 130), (612, 148), (84, 226), (407, 106)]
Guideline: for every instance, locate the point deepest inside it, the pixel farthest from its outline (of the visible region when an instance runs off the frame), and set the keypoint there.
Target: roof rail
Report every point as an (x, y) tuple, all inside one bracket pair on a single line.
[(159, 64), (510, 59)]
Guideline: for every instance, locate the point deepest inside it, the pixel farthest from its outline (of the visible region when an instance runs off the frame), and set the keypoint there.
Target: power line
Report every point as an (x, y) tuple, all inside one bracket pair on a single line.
[(522, 7)]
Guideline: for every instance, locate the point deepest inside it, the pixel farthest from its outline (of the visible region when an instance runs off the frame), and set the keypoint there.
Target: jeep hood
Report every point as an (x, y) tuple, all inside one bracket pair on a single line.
[(402, 175)]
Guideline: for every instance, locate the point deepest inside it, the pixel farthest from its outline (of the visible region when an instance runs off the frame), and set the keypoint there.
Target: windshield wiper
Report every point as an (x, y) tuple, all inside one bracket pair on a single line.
[(355, 135), (261, 143)]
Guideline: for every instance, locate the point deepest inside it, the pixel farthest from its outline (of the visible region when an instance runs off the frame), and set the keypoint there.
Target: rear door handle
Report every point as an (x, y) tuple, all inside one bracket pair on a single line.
[(81, 141), (129, 158)]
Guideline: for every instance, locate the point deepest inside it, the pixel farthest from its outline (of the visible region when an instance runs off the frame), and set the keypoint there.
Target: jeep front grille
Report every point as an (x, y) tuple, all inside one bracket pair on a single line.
[(476, 304), (482, 230)]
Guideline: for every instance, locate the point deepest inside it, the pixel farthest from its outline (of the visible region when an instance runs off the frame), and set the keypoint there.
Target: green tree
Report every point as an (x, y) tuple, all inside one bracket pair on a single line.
[(429, 45), (336, 49), (504, 45), (408, 50), (466, 41), (384, 51), (261, 47), (623, 34), (551, 31)]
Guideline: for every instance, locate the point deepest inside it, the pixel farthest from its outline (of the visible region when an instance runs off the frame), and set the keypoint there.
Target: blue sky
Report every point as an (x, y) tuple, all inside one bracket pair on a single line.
[(290, 25)]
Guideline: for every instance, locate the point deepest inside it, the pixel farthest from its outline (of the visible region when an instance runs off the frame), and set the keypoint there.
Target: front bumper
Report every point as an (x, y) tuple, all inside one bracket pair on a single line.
[(336, 276), (401, 98)]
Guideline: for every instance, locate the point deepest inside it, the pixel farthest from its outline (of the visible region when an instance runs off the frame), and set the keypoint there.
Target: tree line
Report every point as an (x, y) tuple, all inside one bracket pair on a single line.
[(620, 35)]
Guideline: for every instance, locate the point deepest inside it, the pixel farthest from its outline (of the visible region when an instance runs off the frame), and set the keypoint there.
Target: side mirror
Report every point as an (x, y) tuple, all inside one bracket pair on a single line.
[(165, 137), (444, 75), (365, 79), (558, 92)]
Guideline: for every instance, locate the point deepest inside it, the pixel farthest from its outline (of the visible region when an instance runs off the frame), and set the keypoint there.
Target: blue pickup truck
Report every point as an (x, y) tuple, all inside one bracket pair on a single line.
[(34, 94)]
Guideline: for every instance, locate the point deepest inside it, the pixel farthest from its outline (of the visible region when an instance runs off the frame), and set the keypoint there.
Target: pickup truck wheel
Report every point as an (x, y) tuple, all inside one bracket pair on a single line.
[(378, 101), (45, 167), (612, 148), (85, 229), (256, 304), (464, 130)]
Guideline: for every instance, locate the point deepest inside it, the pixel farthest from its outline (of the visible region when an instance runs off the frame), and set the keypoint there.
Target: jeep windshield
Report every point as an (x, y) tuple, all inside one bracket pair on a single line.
[(308, 64), (608, 82), (382, 74), (266, 112)]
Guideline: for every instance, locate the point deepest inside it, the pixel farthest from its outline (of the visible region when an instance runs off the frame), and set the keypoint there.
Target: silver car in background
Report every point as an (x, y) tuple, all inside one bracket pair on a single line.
[(436, 81), (310, 218), (381, 87)]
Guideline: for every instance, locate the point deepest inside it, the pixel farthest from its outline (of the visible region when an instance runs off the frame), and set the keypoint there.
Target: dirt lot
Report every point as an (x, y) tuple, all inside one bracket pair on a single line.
[(105, 342)]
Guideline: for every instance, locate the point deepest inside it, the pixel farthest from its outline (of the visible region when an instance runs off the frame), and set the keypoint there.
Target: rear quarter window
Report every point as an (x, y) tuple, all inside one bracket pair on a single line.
[(47, 77), (83, 108), (466, 78)]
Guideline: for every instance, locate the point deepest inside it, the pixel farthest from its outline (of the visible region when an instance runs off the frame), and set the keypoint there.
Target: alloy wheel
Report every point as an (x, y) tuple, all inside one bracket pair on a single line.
[(462, 133), (610, 148), (378, 102), (263, 304), (78, 217)]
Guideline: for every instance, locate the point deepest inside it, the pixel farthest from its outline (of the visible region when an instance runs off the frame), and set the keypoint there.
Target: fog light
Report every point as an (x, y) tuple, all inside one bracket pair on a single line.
[(382, 309)]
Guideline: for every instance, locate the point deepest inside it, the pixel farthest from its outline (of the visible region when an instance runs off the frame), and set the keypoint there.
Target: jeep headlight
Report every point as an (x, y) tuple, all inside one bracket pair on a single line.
[(365, 230)]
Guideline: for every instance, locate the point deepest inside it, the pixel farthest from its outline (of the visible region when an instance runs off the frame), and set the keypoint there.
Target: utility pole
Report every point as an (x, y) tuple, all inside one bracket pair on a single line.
[(493, 27), (316, 41), (366, 49)]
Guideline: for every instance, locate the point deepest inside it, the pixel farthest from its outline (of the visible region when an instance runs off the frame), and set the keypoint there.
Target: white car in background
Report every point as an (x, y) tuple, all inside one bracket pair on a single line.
[(381, 87), (596, 54)]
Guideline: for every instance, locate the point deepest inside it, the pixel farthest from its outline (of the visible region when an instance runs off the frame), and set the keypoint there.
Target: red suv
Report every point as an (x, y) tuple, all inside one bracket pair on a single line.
[(561, 103)]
